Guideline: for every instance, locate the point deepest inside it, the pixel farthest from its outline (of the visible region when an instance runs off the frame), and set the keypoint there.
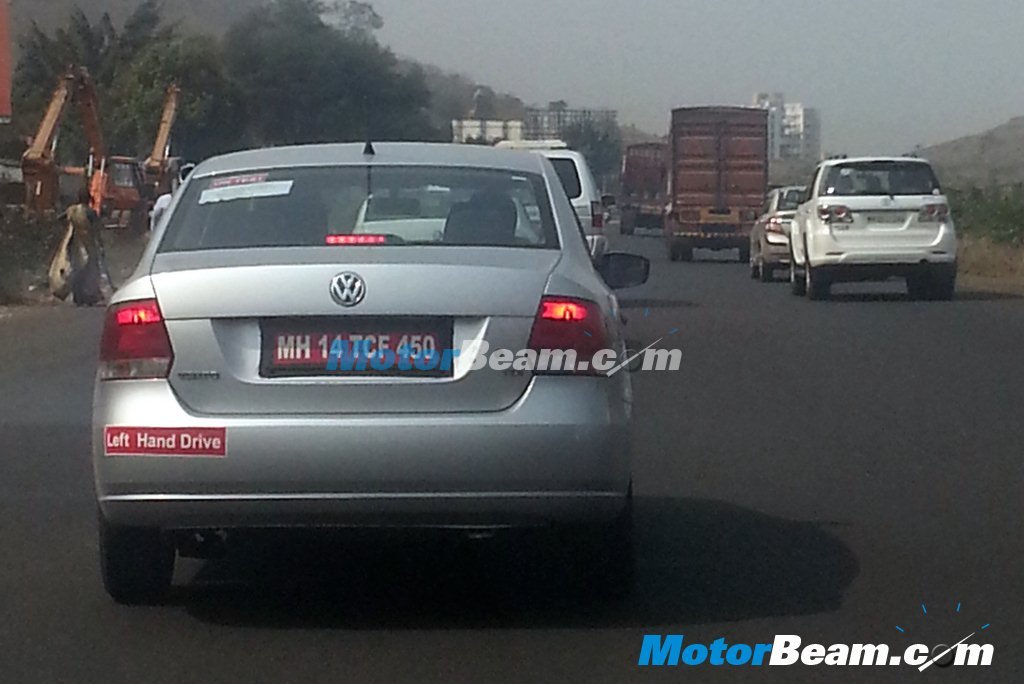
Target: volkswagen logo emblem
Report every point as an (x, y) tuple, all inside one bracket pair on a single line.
[(347, 289)]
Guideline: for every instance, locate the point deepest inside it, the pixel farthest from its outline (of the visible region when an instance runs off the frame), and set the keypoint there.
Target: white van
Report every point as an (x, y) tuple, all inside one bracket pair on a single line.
[(579, 185)]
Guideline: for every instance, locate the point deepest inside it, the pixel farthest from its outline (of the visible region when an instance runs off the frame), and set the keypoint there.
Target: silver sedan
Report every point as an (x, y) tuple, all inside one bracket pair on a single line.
[(301, 346)]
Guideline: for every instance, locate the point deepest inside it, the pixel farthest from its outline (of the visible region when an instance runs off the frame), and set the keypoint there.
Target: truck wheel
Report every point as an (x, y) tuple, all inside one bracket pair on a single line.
[(136, 563), (796, 280), (627, 223)]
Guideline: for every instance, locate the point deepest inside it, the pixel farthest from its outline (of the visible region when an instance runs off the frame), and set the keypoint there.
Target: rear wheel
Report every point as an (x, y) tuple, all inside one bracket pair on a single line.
[(607, 556), (755, 270), (767, 273), (944, 288), (816, 283), (137, 563), (917, 287), (627, 223), (796, 280)]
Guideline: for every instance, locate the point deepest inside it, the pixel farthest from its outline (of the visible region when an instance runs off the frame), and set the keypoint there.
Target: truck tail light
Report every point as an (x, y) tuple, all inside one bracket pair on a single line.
[(933, 213), (597, 215), (135, 344), (567, 324), (836, 213)]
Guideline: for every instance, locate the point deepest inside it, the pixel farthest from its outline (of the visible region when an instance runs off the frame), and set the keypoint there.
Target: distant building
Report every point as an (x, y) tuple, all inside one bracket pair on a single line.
[(488, 131), (794, 131), (549, 123)]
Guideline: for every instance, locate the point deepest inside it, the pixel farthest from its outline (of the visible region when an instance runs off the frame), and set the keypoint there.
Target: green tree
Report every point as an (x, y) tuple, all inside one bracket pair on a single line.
[(304, 80), (99, 47), (209, 107)]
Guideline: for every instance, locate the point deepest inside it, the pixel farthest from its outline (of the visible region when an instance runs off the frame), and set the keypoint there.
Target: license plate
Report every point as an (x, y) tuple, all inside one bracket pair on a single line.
[(357, 347), (892, 218)]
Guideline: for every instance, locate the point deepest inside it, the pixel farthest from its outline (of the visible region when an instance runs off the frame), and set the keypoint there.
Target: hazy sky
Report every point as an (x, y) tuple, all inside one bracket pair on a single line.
[(885, 75)]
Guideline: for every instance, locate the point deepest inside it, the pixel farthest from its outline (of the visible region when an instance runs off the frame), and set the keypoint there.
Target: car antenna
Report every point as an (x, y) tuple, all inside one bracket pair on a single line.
[(368, 150)]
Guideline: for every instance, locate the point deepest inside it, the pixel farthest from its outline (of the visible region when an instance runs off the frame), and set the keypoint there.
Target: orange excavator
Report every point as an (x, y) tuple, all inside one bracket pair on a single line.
[(117, 184), (160, 169)]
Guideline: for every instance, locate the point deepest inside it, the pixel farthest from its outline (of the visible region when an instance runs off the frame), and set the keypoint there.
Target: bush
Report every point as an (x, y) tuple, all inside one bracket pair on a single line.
[(25, 249), (996, 214)]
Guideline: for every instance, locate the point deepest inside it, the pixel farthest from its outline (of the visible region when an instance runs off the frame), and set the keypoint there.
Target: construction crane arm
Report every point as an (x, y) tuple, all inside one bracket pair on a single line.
[(42, 144), (158, 157)]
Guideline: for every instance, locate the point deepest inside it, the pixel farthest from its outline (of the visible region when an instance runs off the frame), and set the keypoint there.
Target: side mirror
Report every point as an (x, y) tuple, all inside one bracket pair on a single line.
[(621, 271), (185, 171), (608, 201)]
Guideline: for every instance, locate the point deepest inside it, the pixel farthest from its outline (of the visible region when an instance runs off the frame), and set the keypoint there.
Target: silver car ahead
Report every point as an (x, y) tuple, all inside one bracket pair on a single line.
[(769, 239), (230, 394)]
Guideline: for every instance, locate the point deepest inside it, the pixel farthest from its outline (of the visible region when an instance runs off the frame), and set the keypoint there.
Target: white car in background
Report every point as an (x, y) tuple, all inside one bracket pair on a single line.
[(579, 184), (874, 218)]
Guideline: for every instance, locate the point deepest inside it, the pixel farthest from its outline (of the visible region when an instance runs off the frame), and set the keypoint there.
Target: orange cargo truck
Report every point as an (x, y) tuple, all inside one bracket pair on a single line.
[(642, 196), (718, 179)]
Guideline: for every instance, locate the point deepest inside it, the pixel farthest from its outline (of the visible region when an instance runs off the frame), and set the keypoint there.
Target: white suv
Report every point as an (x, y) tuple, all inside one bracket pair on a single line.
[(873, 219), (579, 184)]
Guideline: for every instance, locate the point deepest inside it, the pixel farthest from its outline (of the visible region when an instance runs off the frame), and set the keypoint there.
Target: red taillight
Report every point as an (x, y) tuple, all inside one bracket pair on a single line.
[(135, 344), (563, 310), (566, 324), (933, 213), (836, 213), (596, 215), (776, 225), (357, 239)]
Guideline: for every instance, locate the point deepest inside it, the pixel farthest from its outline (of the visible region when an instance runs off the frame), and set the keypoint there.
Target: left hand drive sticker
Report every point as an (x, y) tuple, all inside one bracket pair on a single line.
[(166, 442)]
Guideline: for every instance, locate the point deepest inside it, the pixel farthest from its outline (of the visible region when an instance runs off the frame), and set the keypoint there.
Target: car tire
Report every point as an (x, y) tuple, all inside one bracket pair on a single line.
[(816, 284), (607, 556), (796, 281), (943, 288), (918, 287), (136, 563), (755, 270), (767, 273)]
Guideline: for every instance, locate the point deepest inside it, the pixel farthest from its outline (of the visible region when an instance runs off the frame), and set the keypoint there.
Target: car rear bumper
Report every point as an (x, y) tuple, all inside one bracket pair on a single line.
[(852, 271), (881, 254), (561, 454), (775, 253)]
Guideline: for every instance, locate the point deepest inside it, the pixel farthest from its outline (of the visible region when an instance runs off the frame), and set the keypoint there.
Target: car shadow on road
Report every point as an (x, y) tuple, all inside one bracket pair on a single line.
[(699, 562)]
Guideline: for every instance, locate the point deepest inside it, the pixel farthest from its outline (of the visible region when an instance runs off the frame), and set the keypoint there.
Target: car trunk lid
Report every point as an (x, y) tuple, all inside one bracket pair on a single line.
[(225, 311)]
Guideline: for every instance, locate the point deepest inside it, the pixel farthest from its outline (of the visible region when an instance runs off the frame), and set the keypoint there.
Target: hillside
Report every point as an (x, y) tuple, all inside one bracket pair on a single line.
[(995, 157)]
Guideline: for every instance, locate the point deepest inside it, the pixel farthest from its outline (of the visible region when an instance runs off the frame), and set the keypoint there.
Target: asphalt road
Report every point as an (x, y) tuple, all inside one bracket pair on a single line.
[(819, 469)]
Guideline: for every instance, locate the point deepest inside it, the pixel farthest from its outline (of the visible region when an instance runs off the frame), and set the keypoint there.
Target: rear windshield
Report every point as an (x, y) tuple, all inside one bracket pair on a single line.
[(570, 177), (390, 206), (880, 178), (791, 199)]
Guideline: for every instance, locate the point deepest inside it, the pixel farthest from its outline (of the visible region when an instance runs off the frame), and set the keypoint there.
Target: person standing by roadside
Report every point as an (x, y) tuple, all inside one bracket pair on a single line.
[(90, 284)]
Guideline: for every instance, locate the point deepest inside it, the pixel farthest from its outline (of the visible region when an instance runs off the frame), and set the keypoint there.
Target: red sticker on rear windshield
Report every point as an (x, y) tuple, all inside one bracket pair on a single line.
[(232, 181), (168, 442)]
